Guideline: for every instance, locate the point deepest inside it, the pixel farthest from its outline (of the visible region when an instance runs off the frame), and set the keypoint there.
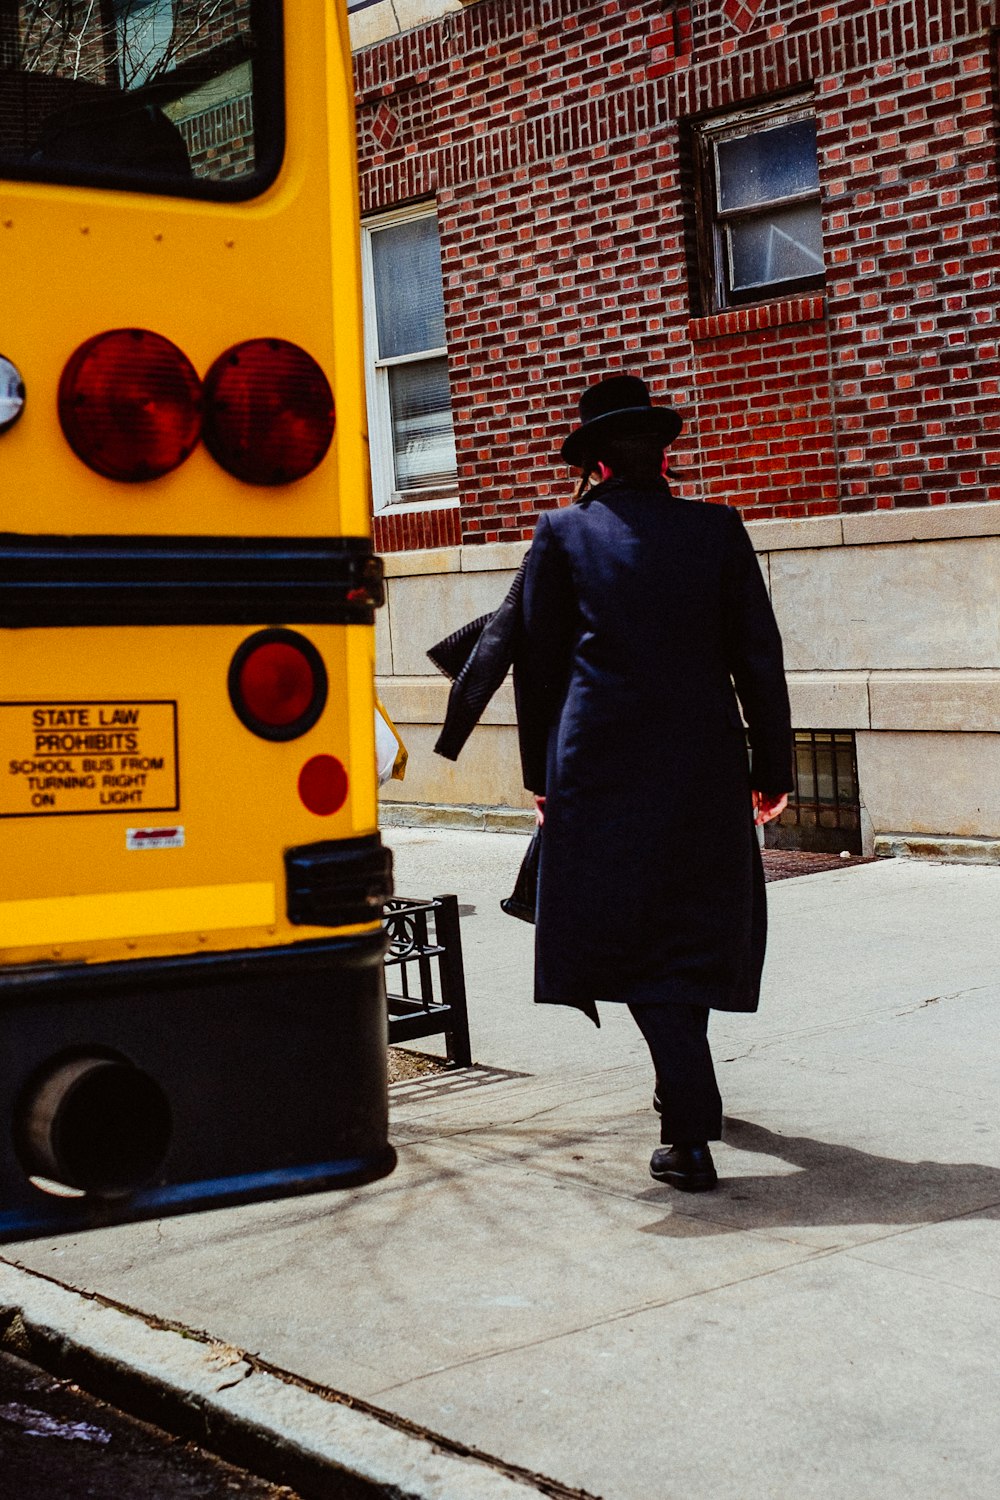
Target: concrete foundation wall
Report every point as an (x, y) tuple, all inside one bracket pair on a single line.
[(386, 18), (891, 625)]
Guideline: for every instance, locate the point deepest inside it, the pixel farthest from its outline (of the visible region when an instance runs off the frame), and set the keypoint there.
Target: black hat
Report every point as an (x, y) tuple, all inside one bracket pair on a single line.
[(618, 406)]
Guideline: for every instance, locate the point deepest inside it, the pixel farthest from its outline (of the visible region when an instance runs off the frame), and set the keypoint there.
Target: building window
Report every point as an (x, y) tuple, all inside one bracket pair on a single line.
[(824, 810), (409, 397), (760, 229), (145, 31)]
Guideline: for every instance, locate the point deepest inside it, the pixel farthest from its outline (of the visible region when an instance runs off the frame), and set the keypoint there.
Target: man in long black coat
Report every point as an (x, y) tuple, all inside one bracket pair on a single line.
[(645, 618)]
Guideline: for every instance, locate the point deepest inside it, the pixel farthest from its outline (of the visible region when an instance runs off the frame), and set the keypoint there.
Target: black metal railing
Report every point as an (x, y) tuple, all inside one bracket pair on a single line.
[(425, 975)]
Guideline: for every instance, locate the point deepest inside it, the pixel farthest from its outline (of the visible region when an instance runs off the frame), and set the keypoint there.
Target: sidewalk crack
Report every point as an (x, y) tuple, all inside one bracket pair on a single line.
[(949, 995)]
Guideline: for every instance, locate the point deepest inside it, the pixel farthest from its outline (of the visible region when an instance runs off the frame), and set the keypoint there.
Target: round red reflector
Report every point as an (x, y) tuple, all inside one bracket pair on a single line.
[(277, 684), (130, 404), (323, 785), (268, 412)]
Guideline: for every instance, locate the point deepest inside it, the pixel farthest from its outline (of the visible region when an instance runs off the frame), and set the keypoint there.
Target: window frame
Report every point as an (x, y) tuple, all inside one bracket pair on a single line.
[(385, 496), (715, 271)]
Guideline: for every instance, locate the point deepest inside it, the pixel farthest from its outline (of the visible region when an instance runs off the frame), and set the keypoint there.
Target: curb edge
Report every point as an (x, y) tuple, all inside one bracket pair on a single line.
[(322, 1443)]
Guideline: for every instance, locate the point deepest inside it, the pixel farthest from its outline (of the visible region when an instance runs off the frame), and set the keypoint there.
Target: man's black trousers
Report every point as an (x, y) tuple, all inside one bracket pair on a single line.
[(677, 1037)]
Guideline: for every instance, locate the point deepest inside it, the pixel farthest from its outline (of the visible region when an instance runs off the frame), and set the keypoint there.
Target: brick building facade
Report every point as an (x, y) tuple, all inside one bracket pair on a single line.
[(583, 160)]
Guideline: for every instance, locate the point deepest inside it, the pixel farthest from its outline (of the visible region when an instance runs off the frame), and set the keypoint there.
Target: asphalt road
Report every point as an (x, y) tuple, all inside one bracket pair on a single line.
[(58, 1443)]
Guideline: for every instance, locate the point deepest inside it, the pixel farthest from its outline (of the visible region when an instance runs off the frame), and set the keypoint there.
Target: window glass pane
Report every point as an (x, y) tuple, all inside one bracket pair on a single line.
[(144, 32), (160, 95), (779, 246), (423, 439), (767, 164), (805, 780), (825, 787), (409, 299)]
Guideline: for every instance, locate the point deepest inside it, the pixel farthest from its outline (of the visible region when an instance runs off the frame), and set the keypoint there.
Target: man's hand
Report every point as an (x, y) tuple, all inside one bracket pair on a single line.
[(765, 808), (539, 810)]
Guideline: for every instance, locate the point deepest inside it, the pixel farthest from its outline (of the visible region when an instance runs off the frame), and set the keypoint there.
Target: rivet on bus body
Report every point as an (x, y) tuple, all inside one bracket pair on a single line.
[(229, 244), (157, 238), (84, 228), (203, 937), (57, 953), (131, 944), (8, 223)]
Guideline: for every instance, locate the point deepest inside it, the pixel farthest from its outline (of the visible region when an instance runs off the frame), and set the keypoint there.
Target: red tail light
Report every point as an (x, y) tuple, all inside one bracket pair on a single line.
[(269, 414), (277, 684), (130, 404)]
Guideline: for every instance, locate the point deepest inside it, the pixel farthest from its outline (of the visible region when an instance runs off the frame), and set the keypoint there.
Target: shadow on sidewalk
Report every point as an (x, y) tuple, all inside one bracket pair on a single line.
[(834, 1185)]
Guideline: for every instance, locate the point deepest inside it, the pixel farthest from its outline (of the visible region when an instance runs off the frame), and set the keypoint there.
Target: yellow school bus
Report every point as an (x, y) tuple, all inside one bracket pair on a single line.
[(191, 990)]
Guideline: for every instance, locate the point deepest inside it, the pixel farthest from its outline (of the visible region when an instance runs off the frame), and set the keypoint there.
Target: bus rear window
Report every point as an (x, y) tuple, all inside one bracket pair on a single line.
[(165, 96)]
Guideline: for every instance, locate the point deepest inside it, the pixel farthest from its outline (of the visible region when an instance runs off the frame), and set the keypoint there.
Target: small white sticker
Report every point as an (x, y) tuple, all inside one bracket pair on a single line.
[(154, 838)]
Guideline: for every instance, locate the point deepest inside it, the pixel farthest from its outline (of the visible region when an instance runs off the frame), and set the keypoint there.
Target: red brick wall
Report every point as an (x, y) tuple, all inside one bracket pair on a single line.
[(220, 141), (763, 409), (200, 28), (407, 530), (551, 135)]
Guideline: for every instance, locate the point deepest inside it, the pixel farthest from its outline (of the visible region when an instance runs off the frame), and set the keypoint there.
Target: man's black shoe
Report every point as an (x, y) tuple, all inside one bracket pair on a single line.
[(689, 1168)]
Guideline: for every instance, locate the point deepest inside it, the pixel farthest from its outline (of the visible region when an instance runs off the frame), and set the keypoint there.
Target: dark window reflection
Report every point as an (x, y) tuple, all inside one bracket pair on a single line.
[(176, 95)]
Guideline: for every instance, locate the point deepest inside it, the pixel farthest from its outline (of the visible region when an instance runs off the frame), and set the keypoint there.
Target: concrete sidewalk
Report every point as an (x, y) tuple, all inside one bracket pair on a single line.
[(825, 1325)]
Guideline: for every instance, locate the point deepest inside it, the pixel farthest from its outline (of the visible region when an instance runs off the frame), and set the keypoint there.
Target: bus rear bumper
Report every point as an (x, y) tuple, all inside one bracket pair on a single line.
[(262, 1071)]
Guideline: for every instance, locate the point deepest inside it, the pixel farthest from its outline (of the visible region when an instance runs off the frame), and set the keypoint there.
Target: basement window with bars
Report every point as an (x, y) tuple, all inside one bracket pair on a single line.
[(758, 200), (824, 810), (409, 397)]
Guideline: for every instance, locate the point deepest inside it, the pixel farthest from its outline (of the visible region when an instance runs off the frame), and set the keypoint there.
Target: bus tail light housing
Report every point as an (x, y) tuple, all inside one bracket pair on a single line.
[(277, 684), (269, 412), (130, 404)]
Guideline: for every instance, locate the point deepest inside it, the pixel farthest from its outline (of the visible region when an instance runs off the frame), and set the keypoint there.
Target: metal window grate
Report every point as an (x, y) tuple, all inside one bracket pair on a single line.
[(824, 810)]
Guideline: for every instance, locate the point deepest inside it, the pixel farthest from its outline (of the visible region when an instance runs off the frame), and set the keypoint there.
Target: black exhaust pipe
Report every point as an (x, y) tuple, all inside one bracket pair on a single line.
[(99, 1125)]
